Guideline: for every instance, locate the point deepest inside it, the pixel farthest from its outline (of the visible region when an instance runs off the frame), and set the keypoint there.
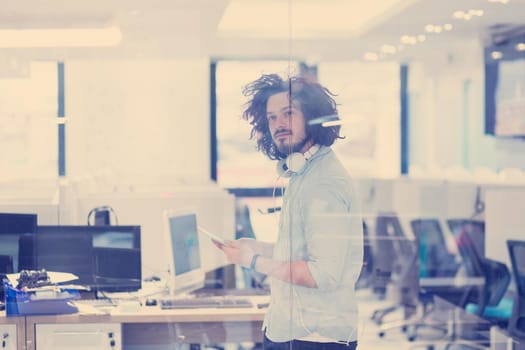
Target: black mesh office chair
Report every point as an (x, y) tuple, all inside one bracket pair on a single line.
[(478, 298), (496, 280), (496, 274), (516, 325)]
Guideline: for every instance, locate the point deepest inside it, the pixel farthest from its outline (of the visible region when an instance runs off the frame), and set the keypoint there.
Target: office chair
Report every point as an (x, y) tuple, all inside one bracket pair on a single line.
[(395, 261), (516, 324), (101, 216), (367, 271), (485, 301), (6, 267), (26, 252), (478, 298), (430, 259), (386, 256), (6, 264)]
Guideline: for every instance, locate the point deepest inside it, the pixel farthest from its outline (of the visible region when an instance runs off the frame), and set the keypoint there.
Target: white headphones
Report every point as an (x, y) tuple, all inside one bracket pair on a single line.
[(295, 162)]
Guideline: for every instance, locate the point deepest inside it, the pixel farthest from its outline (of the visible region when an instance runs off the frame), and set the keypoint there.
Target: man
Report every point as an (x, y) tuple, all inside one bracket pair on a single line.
[(319, 252)]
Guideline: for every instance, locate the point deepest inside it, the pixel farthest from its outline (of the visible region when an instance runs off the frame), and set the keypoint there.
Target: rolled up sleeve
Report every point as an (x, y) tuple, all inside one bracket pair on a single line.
[(331, 230)]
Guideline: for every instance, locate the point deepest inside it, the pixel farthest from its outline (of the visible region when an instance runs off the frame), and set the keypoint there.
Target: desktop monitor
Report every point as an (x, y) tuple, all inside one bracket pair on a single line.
[(474, 228), (434, 257), (104, 258), (16, 232), (184, 259), (16, 249), (399, 249), (393, 249)]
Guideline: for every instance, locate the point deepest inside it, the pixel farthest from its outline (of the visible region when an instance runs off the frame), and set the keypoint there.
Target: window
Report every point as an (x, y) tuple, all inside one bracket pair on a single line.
[(239, 164)]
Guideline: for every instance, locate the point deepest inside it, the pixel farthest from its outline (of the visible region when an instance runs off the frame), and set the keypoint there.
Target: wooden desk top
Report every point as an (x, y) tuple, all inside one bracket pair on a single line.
[(154, 314)]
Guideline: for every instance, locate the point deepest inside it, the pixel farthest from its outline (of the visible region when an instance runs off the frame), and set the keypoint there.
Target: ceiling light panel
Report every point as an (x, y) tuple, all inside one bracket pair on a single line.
[(302, 19)]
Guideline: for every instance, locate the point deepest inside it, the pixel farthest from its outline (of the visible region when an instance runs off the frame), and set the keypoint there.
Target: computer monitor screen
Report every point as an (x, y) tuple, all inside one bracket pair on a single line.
[(387, 230), (104, 258), (184, 258), (397, 254), (391, 225), (474, 228), (16, 235), (434, 257)]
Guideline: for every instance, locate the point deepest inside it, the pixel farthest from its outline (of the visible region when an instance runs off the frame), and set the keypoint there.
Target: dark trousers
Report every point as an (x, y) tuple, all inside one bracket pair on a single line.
[(306, 345)]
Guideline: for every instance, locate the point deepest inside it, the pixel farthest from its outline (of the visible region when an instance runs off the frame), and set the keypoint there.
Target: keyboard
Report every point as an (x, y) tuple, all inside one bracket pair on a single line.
[(96, 302), (207, 302)]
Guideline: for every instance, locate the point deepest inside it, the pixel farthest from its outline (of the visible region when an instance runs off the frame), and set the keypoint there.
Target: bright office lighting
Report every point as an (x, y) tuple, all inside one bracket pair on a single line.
[(371, 56), (477, 12), (280, 19), (458, 14), (388, 49), (520, 47), (496, 55), (67, 37), (467, 15), (408, 40)]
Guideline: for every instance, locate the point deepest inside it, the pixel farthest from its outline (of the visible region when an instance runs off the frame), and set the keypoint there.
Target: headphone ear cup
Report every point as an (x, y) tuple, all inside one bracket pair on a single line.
[(295, 162), (291, 164)]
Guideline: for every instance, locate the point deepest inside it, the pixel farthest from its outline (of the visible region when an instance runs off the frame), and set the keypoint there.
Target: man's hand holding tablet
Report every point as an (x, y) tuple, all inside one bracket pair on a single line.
[(216, 239)]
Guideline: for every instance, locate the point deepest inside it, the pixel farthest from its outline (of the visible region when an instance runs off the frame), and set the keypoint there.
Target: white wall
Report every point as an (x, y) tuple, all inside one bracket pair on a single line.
[(138, 118), (447, 114)]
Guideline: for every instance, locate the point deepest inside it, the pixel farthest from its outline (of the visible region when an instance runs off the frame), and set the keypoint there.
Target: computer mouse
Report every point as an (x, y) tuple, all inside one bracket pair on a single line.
[(152, 279), (151, 302)]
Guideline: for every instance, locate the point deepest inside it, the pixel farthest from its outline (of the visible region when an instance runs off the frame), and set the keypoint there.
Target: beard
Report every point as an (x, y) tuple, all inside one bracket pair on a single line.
[(285, 149)]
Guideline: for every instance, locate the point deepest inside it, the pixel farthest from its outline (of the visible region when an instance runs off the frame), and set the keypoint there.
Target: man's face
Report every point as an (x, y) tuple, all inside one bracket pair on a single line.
[(286, 123)]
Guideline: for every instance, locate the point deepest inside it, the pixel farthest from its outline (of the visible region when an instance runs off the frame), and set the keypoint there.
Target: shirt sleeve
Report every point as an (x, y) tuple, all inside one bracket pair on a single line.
[(332, 231)]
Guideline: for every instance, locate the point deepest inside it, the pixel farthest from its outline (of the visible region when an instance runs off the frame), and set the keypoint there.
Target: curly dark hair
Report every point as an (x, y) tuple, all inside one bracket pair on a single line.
[(314, 100)]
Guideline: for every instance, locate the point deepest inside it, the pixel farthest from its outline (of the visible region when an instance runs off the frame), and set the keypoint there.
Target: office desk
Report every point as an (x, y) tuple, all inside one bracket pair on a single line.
[(151, 325), (451, 281)]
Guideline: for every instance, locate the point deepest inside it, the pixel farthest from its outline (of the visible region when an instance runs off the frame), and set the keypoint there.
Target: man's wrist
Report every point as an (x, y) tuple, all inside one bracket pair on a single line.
[(253, 263)]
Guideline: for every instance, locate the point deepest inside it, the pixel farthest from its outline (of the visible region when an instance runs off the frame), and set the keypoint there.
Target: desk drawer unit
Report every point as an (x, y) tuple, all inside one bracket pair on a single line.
[(8, 336), (87, 336)]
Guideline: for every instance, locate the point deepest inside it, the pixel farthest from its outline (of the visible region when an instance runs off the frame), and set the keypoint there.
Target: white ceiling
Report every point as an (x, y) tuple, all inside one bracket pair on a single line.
[(187, 28)]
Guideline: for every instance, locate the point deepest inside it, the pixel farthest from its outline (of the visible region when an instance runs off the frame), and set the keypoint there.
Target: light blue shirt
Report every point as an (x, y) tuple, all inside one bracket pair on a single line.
[(320, 223)]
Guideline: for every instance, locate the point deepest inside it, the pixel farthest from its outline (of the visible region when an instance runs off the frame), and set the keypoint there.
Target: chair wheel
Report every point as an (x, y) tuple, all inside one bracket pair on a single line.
[(381, 334), (404, 328), (411, 338)]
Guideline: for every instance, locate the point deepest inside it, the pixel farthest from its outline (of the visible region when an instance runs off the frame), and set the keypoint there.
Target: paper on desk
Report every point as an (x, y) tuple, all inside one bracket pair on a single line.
[(55, 277)]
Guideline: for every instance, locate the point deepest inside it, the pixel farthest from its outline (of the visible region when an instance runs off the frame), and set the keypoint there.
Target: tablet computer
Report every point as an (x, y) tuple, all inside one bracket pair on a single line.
[(213, 236)]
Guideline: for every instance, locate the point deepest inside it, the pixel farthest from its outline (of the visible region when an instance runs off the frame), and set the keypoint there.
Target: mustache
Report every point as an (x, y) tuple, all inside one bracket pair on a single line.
[(282, 131)]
